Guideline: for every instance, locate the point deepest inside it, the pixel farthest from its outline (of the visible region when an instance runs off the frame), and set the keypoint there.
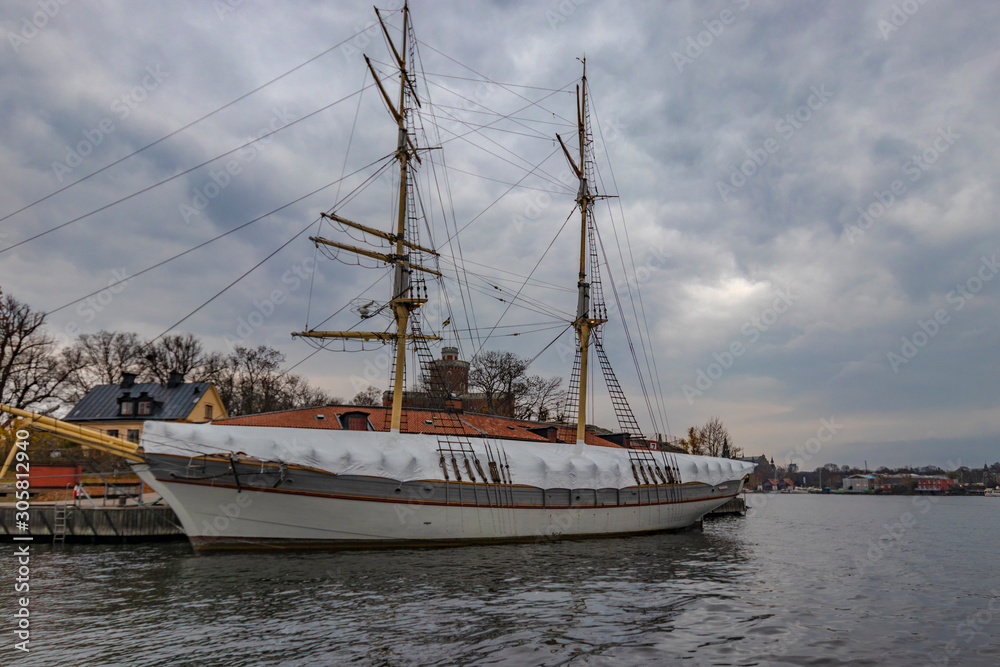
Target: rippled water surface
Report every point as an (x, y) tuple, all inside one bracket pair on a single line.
[(802, 580)]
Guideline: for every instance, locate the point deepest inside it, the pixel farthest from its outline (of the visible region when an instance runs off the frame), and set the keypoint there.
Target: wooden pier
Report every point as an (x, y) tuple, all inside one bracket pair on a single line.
[(61, 522)]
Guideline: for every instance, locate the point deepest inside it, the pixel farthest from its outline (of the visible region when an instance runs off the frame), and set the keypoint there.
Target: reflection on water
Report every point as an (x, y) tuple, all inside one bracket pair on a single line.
[(802, 580)]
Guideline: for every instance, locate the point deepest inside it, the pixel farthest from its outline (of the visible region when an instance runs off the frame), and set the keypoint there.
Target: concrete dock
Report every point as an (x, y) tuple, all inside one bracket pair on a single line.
[(127, 524), (733, 506)]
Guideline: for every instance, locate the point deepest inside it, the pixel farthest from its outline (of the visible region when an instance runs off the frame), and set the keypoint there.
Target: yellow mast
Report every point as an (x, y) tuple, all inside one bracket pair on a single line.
[(584, 323), (403, 302)]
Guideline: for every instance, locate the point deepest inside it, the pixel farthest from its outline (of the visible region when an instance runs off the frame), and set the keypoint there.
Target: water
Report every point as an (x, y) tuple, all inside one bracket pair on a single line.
[(802, 580)]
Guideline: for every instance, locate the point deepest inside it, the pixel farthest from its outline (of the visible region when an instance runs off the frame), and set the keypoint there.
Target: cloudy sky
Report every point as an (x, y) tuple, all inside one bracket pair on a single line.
[(807, 189)]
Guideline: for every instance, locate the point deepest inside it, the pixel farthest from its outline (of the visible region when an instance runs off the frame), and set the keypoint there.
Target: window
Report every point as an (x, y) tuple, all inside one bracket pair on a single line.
[(126, 407), (133, 435), (354, 421), (145, 407), (113, 433), (208, 411)]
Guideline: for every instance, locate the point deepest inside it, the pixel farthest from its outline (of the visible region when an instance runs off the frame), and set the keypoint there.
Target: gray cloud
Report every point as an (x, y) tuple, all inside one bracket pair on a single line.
[(741, 107)]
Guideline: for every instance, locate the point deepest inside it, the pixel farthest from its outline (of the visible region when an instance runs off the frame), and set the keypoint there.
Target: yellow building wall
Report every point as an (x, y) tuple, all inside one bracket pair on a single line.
[(197, 414), (209, 398)]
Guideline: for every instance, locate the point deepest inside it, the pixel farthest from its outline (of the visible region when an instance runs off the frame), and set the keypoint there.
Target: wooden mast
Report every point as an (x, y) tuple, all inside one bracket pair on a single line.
[(584, 323), (402, 302)]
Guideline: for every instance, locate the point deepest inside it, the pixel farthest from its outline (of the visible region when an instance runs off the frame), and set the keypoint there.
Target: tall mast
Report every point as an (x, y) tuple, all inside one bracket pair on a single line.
[(584, 323), (404, 301)]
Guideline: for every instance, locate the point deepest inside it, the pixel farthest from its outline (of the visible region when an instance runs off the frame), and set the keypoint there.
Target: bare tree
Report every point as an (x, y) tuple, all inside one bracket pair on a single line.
[(252, 381), (33, 373), (370, 396), (500, 377), (540, 397), (181, 352), (101, 358)]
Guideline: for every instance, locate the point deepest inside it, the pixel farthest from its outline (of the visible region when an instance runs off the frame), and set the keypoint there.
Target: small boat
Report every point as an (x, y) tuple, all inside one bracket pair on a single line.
[(993, 492)]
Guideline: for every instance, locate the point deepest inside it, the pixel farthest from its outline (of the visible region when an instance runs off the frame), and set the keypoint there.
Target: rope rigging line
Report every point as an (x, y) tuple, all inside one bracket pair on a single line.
[(537, 264), (534, 281), (464, 137), (336, 197), (454, 242), (245, 274), (483, 77), (497, 200), (567, 189), (205, 243), (181, 129), (534, 121), (178, 175), (498, 116), (649, 355)]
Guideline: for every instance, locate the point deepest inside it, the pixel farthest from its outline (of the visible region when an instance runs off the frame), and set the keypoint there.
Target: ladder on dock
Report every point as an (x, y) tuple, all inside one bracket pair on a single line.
[(59, 525)]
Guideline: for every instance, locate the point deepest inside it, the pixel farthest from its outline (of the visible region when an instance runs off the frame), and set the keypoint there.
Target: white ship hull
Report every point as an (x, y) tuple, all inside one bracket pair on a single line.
[(229, 501), (219, 517)]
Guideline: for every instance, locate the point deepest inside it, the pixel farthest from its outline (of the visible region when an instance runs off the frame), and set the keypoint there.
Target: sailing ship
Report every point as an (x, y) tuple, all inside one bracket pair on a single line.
[(433, 475)]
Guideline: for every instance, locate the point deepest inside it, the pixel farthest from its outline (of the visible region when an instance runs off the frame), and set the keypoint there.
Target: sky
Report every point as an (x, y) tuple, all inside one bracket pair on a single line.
[(802, 191)]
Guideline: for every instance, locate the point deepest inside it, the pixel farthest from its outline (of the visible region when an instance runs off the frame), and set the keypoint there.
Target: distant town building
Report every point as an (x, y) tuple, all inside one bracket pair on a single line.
[(777, 484), (934, 484), (763, 471), (860, 483), (119, 410)]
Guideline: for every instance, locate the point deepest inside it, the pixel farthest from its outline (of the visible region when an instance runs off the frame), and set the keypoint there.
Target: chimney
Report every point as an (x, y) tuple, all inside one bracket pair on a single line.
[(128, 380), (176, 379)]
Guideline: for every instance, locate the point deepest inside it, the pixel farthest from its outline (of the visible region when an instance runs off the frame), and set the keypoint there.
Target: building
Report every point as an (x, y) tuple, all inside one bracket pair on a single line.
[(934, 483), (764, 471), (777, 484), (448, 380), (119, 410), (861, 483)]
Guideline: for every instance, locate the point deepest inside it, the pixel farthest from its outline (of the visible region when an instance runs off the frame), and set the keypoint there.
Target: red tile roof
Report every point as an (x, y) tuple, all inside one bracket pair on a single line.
[(415, 421)]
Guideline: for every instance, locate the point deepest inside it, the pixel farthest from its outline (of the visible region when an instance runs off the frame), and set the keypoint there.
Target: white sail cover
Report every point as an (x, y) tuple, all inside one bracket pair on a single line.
[(410, 457)]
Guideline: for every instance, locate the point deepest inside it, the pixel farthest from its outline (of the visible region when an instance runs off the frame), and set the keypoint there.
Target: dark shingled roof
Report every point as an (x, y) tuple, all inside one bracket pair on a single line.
[(169, 403)]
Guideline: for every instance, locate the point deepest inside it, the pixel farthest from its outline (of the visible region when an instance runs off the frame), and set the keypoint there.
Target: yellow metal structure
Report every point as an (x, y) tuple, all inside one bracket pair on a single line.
[(74, 433)]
